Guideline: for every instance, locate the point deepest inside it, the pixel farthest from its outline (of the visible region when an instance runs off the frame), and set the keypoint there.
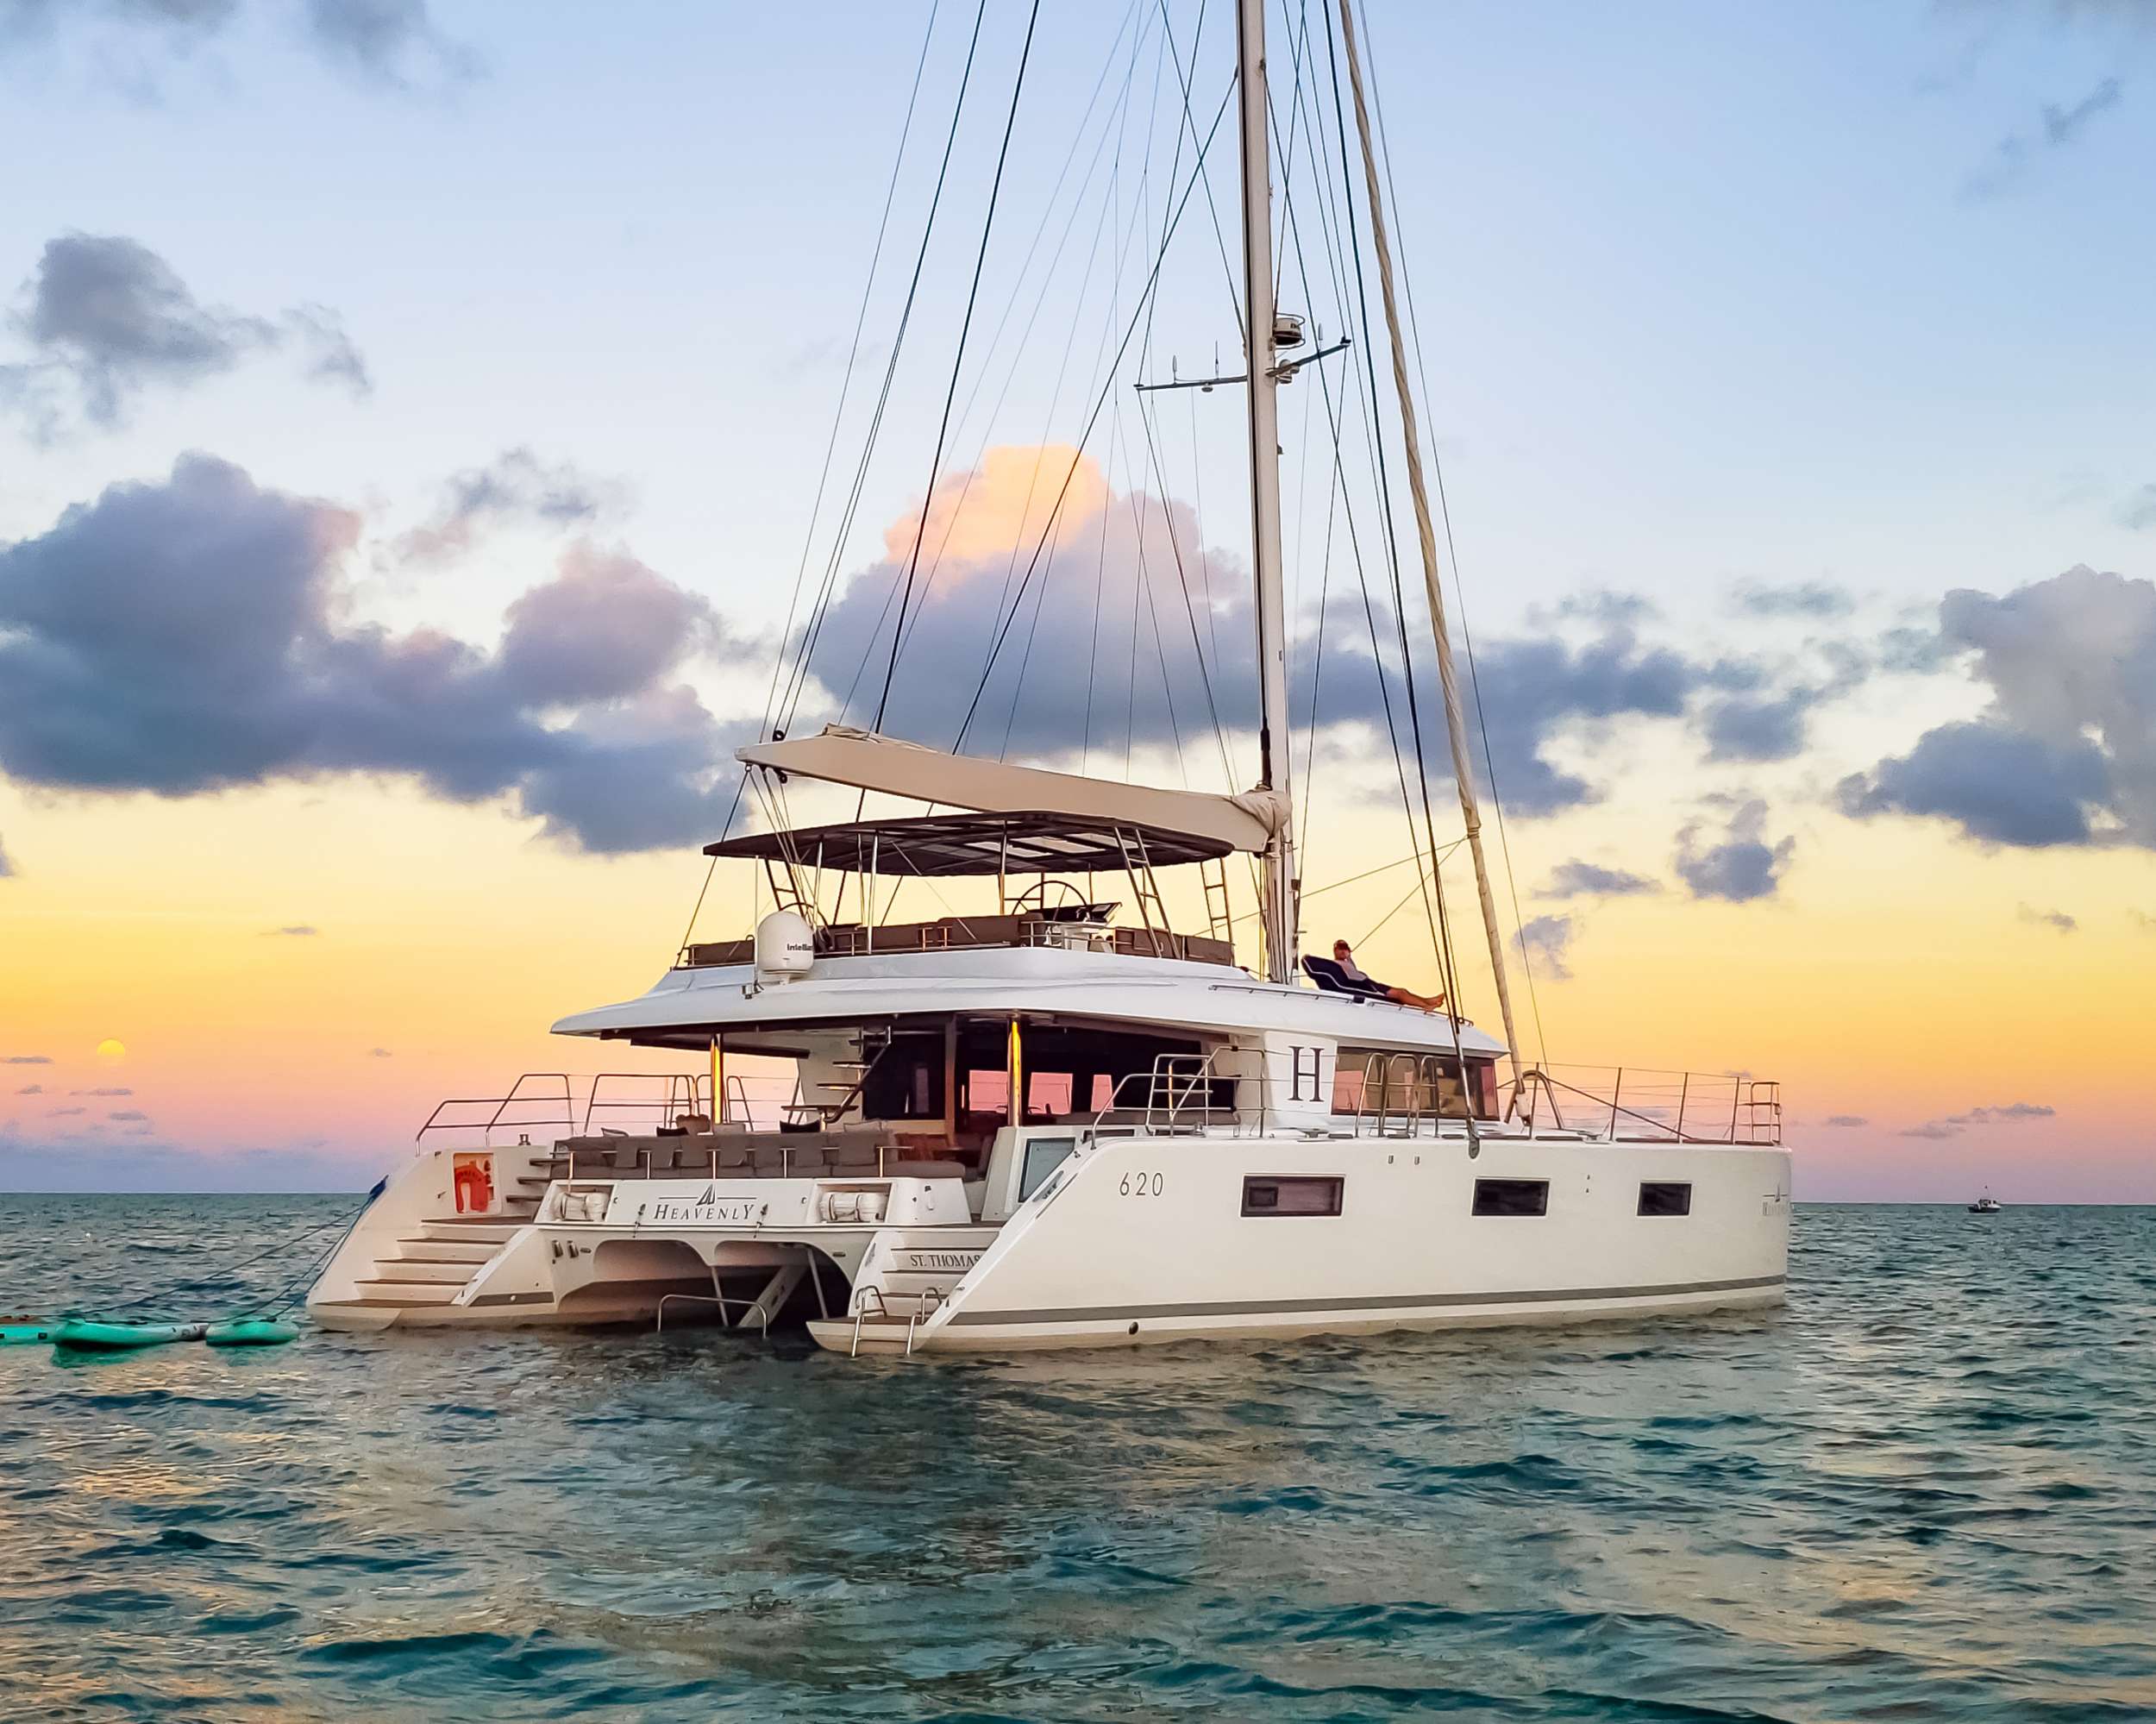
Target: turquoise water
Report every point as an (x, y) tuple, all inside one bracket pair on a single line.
[(1926, 1490)]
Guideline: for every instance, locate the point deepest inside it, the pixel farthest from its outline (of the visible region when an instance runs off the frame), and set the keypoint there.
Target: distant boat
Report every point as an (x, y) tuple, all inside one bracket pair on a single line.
[(1986, 1205)]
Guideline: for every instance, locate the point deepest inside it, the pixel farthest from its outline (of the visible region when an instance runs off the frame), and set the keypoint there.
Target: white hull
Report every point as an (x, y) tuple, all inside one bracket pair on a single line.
[(1095, 1266), (1137, 1240)]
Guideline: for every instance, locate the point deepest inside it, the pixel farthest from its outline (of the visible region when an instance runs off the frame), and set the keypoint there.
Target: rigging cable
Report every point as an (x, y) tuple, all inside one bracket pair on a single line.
[(1110, 208), (958, 359), (831, 445), (799, 676), (1355, 540), (1189, 122), (1392, 543), (1467, 636), (1092, 419), (995, 341)]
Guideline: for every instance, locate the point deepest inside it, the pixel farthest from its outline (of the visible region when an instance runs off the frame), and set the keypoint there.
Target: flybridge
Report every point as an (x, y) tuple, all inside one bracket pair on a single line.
[(939, 846), (863, 759)]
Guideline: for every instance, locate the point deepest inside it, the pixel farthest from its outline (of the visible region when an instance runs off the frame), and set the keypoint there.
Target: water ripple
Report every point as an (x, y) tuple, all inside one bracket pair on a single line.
[(1926, 1489)]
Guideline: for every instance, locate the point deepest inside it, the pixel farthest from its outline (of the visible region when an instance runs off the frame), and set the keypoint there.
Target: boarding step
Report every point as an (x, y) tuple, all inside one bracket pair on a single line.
[(909, 1295), (493, 1229), (410, 1292), (438, 1250), (420, 1271), (872, 1335)]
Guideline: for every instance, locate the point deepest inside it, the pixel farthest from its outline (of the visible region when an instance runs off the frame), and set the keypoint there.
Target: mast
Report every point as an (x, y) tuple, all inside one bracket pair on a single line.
[(1455, 721), (1280, 909)]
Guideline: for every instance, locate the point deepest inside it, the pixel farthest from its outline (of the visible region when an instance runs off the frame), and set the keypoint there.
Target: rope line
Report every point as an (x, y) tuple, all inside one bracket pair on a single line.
[(958, 359)]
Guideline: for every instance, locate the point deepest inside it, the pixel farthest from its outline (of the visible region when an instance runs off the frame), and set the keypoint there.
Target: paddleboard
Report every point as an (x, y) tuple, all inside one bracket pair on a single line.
[(82, 1333), (251, 1331)]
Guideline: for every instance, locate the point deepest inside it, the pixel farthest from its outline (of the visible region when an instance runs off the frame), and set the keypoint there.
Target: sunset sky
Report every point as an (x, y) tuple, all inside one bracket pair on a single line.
[(411, 417)]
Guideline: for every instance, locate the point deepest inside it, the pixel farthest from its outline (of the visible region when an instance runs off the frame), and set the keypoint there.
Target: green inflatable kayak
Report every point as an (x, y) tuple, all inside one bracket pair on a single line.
[(81, 1333), (251, 1331), (22, 1330)]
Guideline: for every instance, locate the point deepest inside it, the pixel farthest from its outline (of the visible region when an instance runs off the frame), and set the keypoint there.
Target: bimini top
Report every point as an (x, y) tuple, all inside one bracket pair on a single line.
[(866, 761), (941, 845)]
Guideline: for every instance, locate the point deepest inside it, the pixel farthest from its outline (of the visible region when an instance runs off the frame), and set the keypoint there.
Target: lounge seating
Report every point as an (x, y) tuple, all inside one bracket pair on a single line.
[(854, 1155), (857, 1152), (1331, 978)]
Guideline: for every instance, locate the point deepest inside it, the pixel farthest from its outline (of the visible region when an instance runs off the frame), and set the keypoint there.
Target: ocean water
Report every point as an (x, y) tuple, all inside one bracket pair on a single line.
[(1926, 1490)]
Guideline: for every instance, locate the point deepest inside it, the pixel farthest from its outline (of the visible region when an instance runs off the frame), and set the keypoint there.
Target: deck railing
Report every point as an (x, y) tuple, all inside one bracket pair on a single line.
[(1180, 1093), (1398, 1094), (616, 1102), (1639, 1103)]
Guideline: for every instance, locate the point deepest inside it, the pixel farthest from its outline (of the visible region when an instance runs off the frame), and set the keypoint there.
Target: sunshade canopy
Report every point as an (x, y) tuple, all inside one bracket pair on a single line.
[(840, 755), (1028, 842)]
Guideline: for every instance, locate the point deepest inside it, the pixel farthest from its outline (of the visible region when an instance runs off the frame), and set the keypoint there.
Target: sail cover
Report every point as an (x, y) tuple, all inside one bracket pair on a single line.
[(863, 759)]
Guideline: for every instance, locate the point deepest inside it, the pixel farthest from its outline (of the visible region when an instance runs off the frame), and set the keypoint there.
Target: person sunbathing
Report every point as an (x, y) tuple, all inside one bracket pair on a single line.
[(1344, 956)]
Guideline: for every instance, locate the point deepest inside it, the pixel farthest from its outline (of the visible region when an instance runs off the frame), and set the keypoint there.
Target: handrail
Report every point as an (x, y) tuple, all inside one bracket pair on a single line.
[(1755, 1105), (501, 1104), (575, 1104), (1172, 1082), (1424, 1093), (862, 1296), (934, 1300)]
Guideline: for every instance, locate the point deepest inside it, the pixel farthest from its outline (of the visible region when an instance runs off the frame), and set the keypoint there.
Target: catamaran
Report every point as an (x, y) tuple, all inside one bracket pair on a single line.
[(1063, 1120)]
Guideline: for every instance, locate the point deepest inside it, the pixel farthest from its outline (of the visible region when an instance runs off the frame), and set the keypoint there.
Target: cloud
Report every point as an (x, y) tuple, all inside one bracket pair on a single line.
[(1743, 866), (2065, 753), (127, 1116), (2058, 919), (31, 1090), (2141, 509), (380, 1054), (26, 1059), (1845, 1121), (1131, 626), (190, 634), (1588, 879), (298, 930), (1817, 599), (104, 1090), (1602, 607), (2012, 1113), (391, 42), (2017, 154), (606, 628), (2143, 920), (1999, 785), (91, 1156), (1534, 690), (1740, 728), (1546, 942), (515, 489), (183, 23), (64, 1113), (106, 320)]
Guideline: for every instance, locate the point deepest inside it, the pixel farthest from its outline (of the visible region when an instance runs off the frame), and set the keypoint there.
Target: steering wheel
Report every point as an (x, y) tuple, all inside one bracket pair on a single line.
[(1035, 896)]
